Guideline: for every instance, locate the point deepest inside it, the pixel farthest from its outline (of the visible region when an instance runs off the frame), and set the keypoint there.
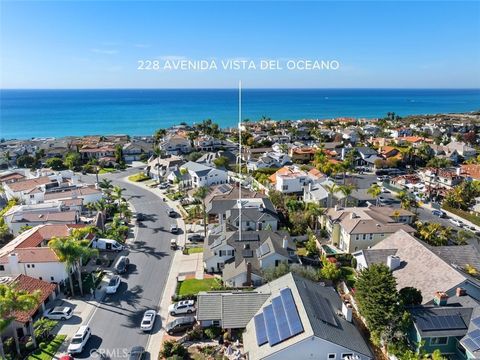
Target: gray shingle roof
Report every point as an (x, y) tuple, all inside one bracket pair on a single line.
[(345, 333), (234, 309), (459, 255), (423, 313), (373, 256)]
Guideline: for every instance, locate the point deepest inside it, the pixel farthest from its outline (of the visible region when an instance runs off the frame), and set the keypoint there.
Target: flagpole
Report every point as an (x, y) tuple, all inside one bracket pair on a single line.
[(240, 159)]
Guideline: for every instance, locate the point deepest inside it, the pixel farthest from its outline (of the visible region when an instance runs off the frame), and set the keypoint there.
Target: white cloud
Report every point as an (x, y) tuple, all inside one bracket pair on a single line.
[(104, 51)]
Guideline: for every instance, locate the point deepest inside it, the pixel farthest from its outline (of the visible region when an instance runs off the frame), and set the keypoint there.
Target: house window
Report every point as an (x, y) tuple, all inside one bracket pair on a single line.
[(285, 187), (2, 268), (332, 356), (346, 356), (33, 265), (364, 236), (52, 278), (216, 322), (40, 278), (439, 341), (28, 265)]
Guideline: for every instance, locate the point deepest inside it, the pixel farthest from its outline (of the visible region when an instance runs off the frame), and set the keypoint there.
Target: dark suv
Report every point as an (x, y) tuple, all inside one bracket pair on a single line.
[(180, 324)]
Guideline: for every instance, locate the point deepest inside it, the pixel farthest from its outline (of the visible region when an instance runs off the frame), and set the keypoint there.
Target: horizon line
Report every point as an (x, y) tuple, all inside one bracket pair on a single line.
[(254, 88)]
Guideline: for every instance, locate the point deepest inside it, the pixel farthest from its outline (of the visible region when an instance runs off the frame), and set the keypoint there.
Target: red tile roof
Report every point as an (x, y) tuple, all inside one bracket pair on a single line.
[(32, 255), (28, 184), (47, 232), (65, 216), (27, 283)]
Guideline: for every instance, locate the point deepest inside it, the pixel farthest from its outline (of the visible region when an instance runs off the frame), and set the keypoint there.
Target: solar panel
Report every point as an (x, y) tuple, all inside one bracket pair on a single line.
[(476, 322), (260, 330), (446, 322), (474, 334), (293, 318), (247, 237), (271, 326), (470, 345), (281, 318)]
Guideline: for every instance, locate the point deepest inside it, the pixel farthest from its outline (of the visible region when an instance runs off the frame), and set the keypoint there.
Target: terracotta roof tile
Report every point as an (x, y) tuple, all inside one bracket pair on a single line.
[(27, 283), (28, 184), (32, 255)]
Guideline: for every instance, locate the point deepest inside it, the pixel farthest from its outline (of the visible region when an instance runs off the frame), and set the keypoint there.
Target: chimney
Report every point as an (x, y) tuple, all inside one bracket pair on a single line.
[(309, 187), (285, 242), (440, 298), (249, 274), (393, 262), (347, 310), (13, 263), (336, 207), (352, 215), (461, 292), (459, 171)]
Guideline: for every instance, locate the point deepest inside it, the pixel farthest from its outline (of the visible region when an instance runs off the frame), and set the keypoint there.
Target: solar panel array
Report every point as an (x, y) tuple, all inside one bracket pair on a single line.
[(445, 322), (279, 320), (472, 340), (224, 188), (476, 322), (323, 310)]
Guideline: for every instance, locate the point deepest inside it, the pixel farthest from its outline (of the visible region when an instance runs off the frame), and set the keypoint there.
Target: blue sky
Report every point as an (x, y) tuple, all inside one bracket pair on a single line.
[(97, 44)]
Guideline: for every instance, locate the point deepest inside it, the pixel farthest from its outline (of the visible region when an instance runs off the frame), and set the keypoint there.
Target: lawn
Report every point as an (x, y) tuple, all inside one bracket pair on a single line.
[(194, 286), (138, 177), (194, 250), (50, 350), (106, 170)]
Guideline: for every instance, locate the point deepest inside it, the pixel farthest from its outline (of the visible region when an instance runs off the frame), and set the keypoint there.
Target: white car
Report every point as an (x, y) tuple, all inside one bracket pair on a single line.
[(79, 340), (113, 284), (148, 320), (59, 313), (182, 307), (456, 222)]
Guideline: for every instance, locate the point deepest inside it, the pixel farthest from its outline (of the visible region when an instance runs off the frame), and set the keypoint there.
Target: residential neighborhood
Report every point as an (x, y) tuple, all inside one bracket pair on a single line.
[(346, 238)]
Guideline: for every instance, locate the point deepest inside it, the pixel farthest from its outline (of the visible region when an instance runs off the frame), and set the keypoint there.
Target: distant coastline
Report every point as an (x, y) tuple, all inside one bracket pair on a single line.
[(26, 113)]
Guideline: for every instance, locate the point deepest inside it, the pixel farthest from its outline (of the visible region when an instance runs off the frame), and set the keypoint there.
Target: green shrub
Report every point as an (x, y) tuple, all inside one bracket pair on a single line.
[(29, 346), (42, 345), (212, 332), (173, 348)]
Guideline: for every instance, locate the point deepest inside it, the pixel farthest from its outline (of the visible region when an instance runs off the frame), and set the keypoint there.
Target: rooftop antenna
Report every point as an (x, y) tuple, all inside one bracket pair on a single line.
[(240, 159)]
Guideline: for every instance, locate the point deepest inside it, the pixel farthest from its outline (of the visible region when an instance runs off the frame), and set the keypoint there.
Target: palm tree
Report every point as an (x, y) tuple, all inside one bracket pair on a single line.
[(11, 300), (117, 194), (314, 211), (375, 190), (71, 251), (346, 190), (405, 201), (158, 152), (106, 185), (332, 189), (201, 193), (159, 134), (124, 210)]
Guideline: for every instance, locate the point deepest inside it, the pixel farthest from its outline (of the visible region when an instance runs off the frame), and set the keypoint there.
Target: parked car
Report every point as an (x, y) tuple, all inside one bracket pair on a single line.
[(140, 217), (164, 185), (59, 313), (173, 244), (136, 353), (171, 212), (456, 222), (174, 228), (439, 213), (196, 237), (113, 285), (79, 340), (180, 324), (122, 264), (148, 320), (385, 190), (182, 307)]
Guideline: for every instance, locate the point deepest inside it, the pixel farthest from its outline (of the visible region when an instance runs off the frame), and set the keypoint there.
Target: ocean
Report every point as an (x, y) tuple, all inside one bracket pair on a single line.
[(55, 113)]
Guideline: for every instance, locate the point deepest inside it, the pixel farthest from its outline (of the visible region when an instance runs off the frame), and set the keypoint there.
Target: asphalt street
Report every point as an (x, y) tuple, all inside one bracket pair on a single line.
[(115, 324)]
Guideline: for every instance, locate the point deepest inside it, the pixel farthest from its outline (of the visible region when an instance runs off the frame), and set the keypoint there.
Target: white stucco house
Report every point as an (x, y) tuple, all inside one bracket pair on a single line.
[(202, 175)]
